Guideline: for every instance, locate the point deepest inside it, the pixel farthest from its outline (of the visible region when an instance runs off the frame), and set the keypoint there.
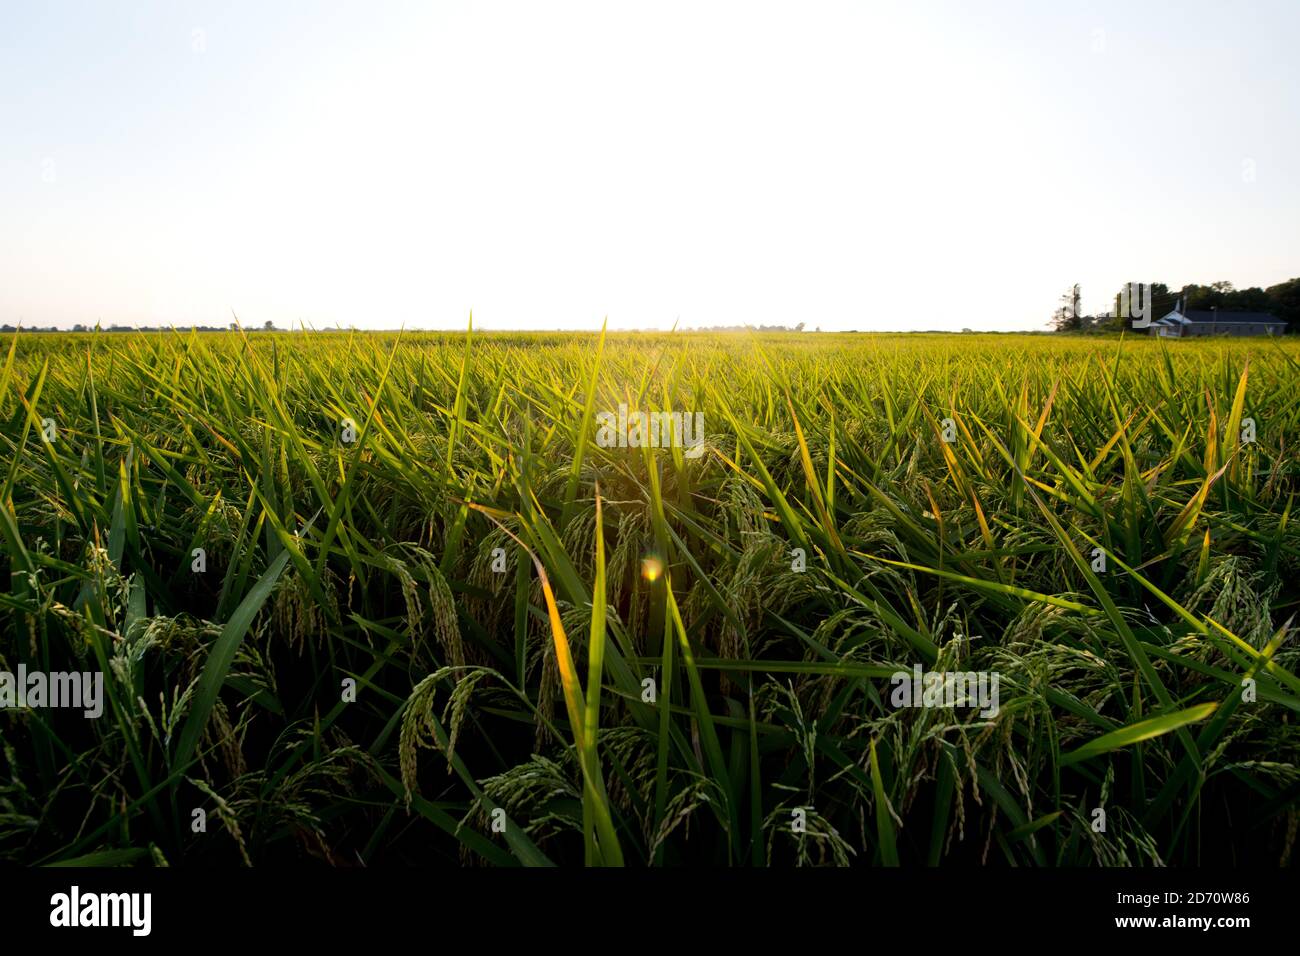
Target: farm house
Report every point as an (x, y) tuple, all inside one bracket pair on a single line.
[(1181, 323)]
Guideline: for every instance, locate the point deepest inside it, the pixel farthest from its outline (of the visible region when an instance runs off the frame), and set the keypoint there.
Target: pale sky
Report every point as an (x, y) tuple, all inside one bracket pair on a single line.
[(922, 165)]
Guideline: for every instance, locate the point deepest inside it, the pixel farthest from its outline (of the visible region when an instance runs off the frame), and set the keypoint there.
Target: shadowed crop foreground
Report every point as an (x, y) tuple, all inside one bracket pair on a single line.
[(370, 599)]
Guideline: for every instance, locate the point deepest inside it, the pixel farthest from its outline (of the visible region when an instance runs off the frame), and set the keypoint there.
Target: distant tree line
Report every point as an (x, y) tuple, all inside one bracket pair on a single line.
[(1282, 300), (750, 328), (267, 326)]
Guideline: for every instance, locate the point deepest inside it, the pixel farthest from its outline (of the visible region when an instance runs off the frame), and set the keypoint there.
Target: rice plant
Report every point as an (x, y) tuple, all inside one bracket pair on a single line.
[(382, 599)]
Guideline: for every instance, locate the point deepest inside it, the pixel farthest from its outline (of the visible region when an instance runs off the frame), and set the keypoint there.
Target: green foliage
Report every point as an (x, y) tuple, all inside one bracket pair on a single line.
[(505, 592)]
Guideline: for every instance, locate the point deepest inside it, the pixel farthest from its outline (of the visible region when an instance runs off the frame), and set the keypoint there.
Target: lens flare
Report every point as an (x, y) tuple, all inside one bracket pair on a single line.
[(652, 568)]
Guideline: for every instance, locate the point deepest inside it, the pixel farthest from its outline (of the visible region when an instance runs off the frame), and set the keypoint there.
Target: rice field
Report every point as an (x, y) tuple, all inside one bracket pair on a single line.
[(441, 600)]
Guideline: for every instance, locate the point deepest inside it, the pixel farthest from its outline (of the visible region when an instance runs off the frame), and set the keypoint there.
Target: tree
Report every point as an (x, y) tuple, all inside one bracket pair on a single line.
[(1224, 296), (1205, 297), (1284, 302), (1155, 298), (1162, 300), (1198, 297), (1253, 299), (1066, 316), (268, 326)]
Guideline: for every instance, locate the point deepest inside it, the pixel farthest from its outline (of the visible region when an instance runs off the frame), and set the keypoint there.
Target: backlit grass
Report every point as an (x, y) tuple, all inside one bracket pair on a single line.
[(566, 653)]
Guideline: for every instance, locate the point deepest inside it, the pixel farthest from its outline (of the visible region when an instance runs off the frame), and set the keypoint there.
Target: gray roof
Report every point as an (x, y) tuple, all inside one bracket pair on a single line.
[(1220, 316)]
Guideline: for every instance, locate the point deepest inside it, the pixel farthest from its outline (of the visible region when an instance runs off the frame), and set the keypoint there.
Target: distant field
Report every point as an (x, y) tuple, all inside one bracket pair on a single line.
[(370, 599)]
